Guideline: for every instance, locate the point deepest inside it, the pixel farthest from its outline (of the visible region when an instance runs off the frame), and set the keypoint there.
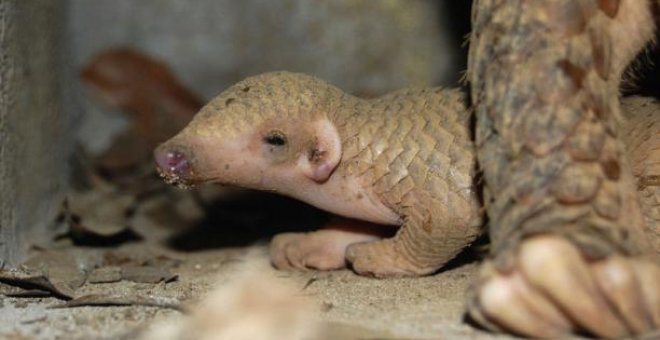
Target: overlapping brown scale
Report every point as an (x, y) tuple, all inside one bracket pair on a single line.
[(601, 51), (577, 183), (567, 17), (587, 140)]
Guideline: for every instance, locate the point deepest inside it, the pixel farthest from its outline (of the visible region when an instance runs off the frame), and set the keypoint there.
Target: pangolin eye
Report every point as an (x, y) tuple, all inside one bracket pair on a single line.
[(275, 138)]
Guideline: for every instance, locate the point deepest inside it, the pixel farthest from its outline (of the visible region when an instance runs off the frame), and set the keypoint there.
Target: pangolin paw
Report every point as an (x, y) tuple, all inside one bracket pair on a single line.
[(553, 291), (306, 251)]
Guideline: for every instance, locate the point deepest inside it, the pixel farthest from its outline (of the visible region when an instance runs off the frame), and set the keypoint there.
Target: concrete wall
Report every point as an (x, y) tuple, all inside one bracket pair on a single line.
[(34, 146)]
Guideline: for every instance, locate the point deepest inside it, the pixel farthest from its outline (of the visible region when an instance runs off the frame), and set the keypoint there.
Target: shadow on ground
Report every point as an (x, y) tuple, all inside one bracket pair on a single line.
[(247, 218)]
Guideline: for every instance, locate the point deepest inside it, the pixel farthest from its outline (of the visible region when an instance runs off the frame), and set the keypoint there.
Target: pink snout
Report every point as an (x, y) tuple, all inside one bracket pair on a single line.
[(173, 163)]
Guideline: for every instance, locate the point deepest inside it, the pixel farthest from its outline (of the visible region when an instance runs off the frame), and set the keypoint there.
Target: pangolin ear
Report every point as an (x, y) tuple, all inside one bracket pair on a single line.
[(324, 152)]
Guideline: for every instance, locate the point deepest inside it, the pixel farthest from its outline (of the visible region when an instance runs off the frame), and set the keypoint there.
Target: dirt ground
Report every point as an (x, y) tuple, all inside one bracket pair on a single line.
[(217, 253)]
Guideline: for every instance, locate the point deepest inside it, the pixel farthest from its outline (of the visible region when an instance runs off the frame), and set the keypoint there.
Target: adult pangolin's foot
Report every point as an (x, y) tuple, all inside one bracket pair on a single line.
[(321, 250), (553, 291)]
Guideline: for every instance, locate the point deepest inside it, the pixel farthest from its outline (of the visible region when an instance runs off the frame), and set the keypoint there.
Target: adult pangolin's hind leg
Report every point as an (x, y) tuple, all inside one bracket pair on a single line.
[(569, 249)]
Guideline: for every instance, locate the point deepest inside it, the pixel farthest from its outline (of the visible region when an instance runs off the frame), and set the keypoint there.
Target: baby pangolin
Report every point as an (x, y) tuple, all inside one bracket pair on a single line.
[(403, 159)]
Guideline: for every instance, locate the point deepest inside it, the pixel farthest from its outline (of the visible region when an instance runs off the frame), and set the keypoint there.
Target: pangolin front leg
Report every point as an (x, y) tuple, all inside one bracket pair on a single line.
[(429, 237), (568, 237), (323, 249)]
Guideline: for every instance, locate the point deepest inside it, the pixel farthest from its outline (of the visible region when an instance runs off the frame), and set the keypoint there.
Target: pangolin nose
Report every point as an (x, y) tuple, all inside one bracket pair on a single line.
[(173, 163)]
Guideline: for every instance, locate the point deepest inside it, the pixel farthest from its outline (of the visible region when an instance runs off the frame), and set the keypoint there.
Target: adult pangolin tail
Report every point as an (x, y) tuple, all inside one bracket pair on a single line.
[(544, 78)]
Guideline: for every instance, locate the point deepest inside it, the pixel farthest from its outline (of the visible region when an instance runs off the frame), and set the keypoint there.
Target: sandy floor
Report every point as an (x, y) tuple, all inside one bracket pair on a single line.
[(430, 307), (344, 304)]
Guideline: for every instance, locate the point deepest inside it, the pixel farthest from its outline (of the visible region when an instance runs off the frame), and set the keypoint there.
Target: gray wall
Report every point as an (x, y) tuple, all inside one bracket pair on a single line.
[(357, 44), (33, 136)]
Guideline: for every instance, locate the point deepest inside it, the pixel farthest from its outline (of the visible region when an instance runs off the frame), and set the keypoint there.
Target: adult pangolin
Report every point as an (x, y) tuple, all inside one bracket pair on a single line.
[(571, 250)]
